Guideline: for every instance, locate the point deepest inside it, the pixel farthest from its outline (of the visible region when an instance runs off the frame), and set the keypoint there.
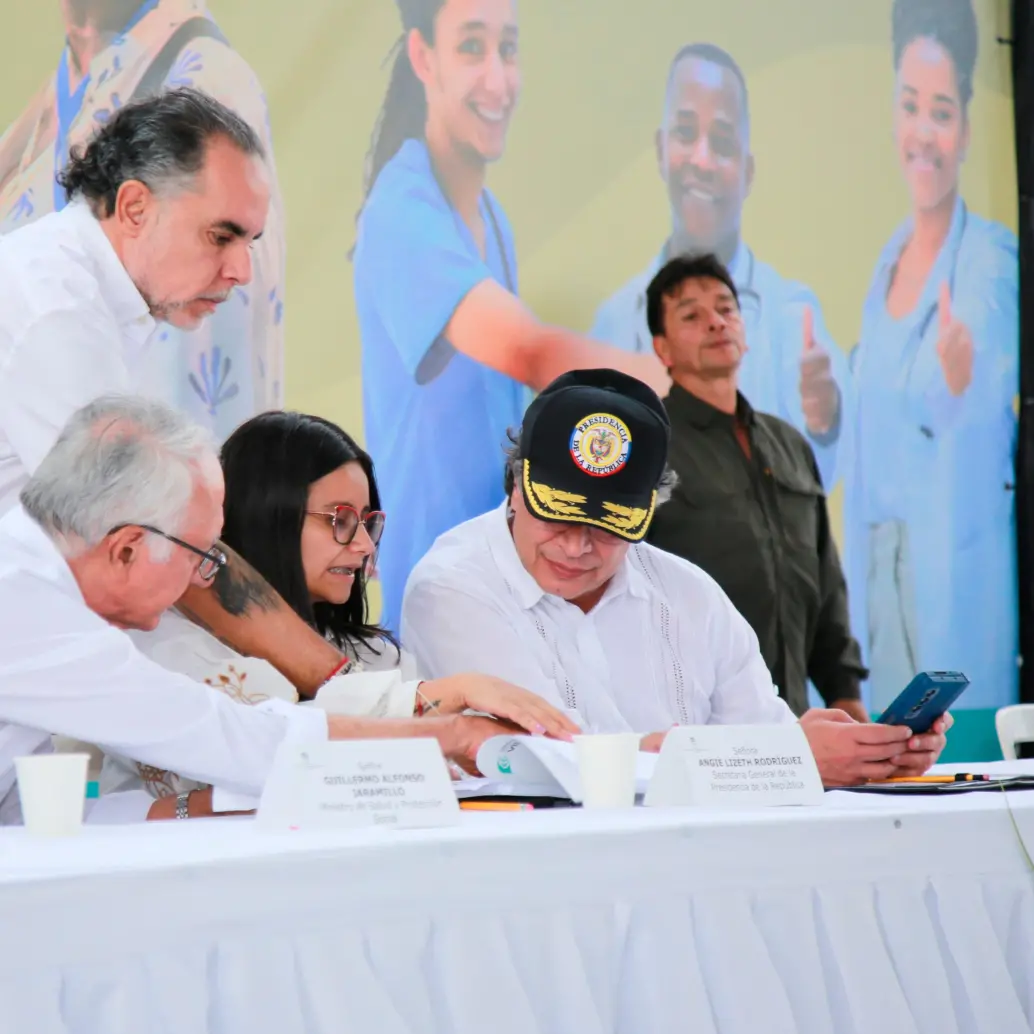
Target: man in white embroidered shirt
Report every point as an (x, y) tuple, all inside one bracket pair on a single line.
[(119, 519), (164, 204), (557, 592)]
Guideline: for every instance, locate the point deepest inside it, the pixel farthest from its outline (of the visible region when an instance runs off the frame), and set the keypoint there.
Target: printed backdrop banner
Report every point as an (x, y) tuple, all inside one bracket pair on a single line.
[(471, 191)]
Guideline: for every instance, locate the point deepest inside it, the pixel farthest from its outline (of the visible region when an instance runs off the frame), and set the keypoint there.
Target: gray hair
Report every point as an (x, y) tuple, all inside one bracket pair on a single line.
[(160, 142), (119, 460), (515, 461)]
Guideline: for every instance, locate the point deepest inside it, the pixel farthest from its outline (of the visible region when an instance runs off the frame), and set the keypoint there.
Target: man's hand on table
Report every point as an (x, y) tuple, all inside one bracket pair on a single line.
[(460, 736), (503, 700), (849, 753)]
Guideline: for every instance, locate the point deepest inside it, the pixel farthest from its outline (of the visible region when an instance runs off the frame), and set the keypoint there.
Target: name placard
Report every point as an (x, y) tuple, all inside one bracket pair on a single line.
[(735, 766), (342, 784)]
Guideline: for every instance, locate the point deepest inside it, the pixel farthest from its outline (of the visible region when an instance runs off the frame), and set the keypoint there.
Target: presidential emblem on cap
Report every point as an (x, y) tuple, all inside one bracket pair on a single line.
[(600, 444)]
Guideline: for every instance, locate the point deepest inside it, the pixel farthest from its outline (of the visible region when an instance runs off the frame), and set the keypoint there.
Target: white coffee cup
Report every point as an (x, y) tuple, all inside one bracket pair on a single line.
[(607, 766), (52, 790)]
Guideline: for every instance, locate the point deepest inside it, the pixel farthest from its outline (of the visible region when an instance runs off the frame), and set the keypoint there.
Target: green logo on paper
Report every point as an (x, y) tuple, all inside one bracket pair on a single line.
[(504, 764)]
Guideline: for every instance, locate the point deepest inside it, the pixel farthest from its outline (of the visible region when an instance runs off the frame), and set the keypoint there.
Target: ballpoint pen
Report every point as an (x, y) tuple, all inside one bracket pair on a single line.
[(959, 777)]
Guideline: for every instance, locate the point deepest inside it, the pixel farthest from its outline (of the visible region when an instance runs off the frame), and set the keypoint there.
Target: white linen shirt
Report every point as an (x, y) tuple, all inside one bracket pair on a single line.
[(664, 646), (65, 670), (73, 326)]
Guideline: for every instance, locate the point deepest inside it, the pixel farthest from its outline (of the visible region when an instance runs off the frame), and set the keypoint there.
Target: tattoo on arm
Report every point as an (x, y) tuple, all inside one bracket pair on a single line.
[(192, 615), (240, 588)]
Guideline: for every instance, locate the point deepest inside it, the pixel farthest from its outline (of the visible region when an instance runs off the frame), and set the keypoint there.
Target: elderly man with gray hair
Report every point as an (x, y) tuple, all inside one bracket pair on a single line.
[(121, 517)]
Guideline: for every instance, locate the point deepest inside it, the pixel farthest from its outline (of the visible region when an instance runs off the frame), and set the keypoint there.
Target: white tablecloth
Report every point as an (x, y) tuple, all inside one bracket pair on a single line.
[(865, 916)]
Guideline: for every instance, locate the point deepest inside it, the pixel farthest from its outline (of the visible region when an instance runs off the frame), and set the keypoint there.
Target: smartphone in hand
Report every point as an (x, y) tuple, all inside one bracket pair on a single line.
[(925, 699)]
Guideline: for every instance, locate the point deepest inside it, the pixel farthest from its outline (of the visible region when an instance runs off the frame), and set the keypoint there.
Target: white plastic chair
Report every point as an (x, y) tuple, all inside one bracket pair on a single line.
[(1014, 724)]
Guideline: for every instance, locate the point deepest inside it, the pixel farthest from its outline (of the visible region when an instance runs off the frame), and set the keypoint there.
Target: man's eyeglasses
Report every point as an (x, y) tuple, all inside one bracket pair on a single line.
[(211, 559), (345, 522)]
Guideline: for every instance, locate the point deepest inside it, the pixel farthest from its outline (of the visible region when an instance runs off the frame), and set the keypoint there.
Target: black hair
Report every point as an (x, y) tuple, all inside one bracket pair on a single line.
[(673, 274), (514, 459), (269, 464), (403, 113), (156, 141), (715, 55), (951, 23)]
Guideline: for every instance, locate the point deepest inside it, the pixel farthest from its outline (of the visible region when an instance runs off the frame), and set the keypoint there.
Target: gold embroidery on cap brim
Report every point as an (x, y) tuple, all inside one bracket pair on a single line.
[(627, 518), (534, 492), (557, 501)]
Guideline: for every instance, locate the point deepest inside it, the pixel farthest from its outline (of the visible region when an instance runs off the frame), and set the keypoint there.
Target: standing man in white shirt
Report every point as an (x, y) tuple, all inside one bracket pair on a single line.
[(165, 203), (122, 514), (111, 53), (793, 368), (557, 591)]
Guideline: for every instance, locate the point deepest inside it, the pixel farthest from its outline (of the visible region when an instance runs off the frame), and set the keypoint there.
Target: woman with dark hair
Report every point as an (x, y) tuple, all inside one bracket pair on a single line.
[(447, 346), (929, 507), (302, 507)]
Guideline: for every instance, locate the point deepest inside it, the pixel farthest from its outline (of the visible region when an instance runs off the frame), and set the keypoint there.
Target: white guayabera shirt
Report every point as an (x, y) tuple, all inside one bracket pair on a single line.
[(65, 670), (664, 646), (73, 327)]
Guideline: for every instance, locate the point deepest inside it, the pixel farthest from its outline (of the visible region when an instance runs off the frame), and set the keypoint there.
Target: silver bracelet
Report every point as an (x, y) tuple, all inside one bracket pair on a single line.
[(183, 805)]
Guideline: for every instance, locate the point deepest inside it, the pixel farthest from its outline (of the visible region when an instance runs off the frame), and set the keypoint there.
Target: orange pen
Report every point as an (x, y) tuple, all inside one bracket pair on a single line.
[(496, 806)]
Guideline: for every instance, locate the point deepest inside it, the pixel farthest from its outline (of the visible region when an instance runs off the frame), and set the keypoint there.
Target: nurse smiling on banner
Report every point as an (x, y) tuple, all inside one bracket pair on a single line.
[(929, 501), (446, 345)]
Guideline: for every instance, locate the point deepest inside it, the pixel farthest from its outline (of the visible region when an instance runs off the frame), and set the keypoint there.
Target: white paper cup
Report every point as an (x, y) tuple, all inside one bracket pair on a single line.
[(606, 765), (52, 789)]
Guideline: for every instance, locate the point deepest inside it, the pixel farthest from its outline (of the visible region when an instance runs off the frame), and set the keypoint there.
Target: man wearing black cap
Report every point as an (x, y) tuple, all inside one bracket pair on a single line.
[(557, 591)]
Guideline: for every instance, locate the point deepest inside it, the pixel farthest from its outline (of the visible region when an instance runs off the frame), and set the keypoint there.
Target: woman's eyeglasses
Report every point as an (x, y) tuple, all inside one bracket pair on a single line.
[(211, 559), (345, 522)]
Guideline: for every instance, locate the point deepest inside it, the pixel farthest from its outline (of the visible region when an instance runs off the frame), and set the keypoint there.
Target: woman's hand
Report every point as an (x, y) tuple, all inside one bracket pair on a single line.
[(502, 699), (954, 346)]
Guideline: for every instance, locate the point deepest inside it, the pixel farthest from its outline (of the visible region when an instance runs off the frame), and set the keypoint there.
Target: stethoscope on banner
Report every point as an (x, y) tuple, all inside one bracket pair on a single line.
[(510, 282), (440, 352), (750, 303)]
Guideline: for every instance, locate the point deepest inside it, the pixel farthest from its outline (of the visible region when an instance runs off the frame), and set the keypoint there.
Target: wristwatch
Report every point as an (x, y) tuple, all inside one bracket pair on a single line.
[(183, 805)]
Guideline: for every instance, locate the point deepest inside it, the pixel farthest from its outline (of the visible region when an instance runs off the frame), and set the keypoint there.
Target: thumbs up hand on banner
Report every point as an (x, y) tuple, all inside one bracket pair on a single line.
[(954, 346), (819, 395)]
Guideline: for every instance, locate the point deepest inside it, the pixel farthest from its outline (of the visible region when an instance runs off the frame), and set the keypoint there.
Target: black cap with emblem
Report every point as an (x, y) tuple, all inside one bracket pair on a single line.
[(594, 445)]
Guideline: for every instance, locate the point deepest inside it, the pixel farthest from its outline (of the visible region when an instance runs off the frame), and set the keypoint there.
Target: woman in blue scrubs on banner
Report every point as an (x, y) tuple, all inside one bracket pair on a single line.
[(446, 345), (929, 501)]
